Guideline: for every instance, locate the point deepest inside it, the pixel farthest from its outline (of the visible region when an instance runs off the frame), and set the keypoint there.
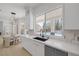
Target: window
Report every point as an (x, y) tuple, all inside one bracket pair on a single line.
[(39, 23), (54, 21), (51, 22)]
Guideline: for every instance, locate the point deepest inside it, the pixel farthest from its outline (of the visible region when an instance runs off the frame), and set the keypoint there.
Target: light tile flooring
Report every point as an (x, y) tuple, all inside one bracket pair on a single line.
[(15, 50)]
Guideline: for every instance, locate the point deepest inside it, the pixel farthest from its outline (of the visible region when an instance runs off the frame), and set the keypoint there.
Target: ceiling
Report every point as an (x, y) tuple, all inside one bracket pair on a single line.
[(19, 4), (18, 8)]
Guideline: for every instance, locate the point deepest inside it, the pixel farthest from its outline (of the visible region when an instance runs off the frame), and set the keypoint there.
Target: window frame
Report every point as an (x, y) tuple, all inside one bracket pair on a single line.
[(53, 18)]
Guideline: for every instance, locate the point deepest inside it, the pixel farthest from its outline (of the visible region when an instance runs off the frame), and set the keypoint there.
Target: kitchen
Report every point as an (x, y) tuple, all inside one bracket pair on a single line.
[(43, 29)]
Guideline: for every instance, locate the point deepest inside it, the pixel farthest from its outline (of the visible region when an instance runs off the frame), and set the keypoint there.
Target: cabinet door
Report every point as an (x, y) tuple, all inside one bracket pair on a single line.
[(27, 44), (39, 48), (71, 16), (34, 47)]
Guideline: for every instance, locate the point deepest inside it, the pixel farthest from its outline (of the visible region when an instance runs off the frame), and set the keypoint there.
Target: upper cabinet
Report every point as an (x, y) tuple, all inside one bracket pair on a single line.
[(71, 16)]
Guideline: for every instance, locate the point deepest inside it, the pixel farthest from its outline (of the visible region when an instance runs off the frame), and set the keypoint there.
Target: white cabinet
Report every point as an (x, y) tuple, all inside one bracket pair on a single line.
[(39, 48), (34, 47), (71, 16), (27, 44)]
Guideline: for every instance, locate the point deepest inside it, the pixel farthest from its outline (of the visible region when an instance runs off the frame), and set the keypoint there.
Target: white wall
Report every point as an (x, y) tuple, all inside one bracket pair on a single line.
[(29, 18), (5, 15), (7, 9), (1, 27)]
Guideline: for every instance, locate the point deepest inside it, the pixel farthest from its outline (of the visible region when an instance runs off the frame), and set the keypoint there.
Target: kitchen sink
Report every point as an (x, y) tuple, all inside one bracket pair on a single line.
[(40, 38)]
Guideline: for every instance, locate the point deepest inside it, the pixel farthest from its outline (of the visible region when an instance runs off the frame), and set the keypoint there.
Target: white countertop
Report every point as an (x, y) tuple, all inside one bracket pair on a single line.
[(62, 44), (31, 37)]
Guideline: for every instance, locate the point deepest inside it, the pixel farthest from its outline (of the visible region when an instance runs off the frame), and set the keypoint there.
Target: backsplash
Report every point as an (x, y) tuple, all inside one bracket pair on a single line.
[(68, 34), (71, 34)]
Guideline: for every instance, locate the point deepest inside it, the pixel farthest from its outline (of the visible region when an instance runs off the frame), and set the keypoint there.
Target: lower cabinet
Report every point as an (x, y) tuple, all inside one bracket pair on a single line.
[(50, 51), (39, 49), (34, 47)]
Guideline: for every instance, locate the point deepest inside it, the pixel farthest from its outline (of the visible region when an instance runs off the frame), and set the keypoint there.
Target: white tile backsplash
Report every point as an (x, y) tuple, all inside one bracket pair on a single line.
[(71, 34)]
